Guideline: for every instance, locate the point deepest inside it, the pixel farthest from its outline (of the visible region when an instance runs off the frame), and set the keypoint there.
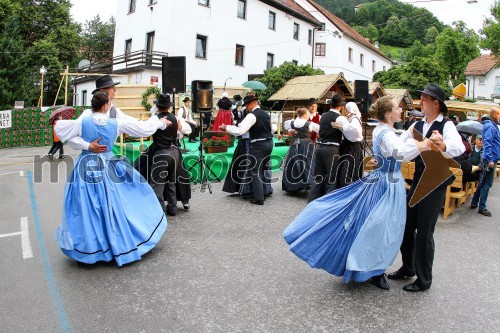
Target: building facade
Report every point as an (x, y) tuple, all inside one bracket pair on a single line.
[(226, 41), (483, 78)]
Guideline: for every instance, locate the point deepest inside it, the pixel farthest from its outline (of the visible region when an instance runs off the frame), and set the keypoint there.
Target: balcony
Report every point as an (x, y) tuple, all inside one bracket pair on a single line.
[(141, 58)]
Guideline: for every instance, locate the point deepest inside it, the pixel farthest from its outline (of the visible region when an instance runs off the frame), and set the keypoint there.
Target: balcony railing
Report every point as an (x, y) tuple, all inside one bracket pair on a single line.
[(130, 60)]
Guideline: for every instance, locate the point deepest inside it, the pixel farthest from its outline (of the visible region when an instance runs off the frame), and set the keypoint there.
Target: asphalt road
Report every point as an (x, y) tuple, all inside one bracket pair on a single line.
[(223, 266)]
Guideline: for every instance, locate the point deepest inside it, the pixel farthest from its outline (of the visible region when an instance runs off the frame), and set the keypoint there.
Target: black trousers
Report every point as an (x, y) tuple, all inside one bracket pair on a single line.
[(164, 176), (325, 171), (55, 147), (417, 248), (261, 151), (195, 131)]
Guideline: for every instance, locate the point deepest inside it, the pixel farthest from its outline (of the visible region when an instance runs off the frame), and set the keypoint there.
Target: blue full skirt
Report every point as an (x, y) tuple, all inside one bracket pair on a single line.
[(354, 232), (110, 212)]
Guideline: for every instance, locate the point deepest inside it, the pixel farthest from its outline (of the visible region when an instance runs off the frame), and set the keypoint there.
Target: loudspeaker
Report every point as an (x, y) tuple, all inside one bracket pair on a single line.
[(361, 91), (203, 95), (173, 74)]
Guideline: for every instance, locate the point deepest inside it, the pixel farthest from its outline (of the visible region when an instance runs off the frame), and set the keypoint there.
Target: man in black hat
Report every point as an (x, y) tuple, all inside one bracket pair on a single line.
[(165, 169), (186, 114), (417, 249), (103, 83), (327, 152), (258, 124), (237, 109)]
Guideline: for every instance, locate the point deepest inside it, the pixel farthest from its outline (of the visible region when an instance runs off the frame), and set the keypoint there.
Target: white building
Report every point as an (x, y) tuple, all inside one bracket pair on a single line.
[(483, 78), (341, 49), (229, 41)]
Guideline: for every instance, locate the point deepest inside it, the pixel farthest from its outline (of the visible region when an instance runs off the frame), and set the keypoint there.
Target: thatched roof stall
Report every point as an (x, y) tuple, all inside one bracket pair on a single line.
[(464, 110), (299, 90), (376, 90), (403, 98)]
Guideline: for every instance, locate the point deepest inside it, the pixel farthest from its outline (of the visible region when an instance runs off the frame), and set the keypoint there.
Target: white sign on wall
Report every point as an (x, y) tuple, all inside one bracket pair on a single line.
[(5, 119)]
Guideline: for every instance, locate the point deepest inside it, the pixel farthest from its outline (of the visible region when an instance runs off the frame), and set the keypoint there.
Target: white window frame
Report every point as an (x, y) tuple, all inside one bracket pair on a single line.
[(350, 55), (374, 66), (205, 3), (362, 60), (497, 80), (310, 37), (482, 81)]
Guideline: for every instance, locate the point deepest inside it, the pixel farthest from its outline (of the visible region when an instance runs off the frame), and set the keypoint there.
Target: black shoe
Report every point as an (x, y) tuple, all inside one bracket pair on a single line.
[(484, 212), (186, 206), (62, 157), (400, 274), (257, 202), (413, 287), (171, 212), (267, 195), (472, 206), (380, 282)]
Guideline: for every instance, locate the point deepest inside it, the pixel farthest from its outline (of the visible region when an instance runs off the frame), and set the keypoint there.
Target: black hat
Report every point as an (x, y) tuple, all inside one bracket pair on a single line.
[(336, 101), (249, 98), (312, 101), (436, 92), (237, 97), (163, 101), (186, 99), (103, 82), (224, 103)]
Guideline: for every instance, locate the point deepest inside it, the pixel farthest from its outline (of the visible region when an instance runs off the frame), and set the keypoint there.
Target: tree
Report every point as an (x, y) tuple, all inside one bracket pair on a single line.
[(431, 35), (455, 47), (491, 31), (43, 34), (97, 39), (276, 77), (14, 80), (370, 32), (414, 75)]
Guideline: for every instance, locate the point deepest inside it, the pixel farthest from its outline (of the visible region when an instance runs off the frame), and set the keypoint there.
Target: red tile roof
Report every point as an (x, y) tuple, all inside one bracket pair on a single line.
[(347, 30), (481, 65)]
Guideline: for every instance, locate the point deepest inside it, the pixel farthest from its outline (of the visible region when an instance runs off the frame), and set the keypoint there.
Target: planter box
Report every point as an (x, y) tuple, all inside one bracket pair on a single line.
[(215, 149)]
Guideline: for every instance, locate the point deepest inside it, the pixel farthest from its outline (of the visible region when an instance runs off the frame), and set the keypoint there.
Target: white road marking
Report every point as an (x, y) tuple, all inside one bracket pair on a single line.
[(25, 238)]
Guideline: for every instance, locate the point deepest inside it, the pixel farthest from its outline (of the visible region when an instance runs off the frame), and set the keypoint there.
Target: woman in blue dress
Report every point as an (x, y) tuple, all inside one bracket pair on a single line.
[(110, 211), (356, 231)]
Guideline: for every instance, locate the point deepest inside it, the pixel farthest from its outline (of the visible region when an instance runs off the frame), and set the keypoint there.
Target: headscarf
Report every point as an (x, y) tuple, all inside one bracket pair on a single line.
[(352, 108)]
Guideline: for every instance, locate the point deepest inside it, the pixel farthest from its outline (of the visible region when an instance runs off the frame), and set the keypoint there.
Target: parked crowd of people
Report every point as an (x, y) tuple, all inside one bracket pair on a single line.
[(352, 226)]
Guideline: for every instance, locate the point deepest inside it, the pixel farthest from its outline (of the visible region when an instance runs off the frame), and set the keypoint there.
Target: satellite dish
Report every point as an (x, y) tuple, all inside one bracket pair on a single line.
[(83, 65)]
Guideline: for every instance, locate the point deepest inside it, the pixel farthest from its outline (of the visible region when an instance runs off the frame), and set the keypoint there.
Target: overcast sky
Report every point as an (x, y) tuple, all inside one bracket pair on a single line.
[(445, 10)]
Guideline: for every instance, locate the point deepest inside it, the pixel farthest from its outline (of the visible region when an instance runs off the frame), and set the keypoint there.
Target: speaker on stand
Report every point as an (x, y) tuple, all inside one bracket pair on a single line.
[(203, 94), (363, 98)]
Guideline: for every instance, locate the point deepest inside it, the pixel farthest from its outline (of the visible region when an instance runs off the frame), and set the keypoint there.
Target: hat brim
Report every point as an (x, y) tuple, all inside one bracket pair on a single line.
[(444, 108), (163, 105), (250, 100), (105, 87)]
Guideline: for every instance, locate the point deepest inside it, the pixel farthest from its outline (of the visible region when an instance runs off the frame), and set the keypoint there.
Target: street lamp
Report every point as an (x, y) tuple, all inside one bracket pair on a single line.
[(43, 70)]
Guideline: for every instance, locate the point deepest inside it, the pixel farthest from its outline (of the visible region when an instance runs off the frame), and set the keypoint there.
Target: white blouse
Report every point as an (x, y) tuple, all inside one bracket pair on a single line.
[(298, 123), (393, 146), (67, 129), (352, 129)]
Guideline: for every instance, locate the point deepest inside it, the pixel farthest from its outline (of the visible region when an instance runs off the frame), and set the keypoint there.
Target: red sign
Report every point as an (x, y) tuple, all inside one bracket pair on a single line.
[(154, 80)]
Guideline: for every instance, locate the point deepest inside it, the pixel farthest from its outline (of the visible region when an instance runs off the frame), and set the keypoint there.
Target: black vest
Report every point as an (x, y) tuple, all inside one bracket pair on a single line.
[(302, 132), (165, 138), (328, 134), (419, 163), (262, 127)]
